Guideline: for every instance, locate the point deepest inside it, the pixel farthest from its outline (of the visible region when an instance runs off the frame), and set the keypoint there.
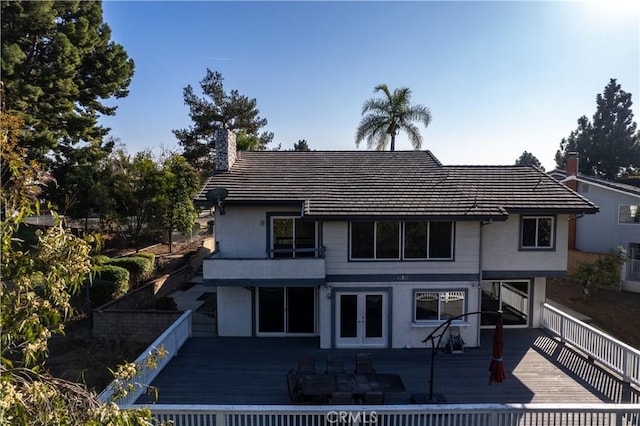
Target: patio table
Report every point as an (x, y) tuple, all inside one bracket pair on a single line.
[(323, 385)]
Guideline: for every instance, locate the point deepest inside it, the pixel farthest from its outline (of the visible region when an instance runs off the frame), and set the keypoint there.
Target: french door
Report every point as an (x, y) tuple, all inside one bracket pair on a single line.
[(361, 319)]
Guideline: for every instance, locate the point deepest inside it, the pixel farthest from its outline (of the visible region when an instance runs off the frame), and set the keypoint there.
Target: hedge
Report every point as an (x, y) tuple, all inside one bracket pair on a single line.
[(150, 256), (139, 267), (101, 259), (109, 283)]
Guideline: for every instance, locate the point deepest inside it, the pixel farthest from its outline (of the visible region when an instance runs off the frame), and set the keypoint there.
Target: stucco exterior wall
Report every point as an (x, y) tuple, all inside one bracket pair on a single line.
[(234, 311), (242, 231), (501, 248)]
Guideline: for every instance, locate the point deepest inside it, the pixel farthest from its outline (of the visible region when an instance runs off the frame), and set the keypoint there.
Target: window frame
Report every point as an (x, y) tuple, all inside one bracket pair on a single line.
[(293, 217), (637, 215), (401, 242), (465, 305), (537, 247)]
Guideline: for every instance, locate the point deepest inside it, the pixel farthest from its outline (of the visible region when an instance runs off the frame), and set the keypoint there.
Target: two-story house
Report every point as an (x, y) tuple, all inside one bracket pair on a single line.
[(617, 223), (375, 249)]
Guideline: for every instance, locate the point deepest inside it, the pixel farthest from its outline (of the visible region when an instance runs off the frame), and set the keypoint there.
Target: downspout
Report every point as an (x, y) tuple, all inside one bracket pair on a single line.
[(480, 255)]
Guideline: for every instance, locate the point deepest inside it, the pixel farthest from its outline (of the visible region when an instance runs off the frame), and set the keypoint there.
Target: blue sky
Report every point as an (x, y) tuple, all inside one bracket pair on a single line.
[(499, 77)]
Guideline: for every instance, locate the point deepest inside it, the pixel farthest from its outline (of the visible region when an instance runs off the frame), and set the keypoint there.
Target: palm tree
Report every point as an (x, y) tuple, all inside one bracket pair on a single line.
[(388, 116)]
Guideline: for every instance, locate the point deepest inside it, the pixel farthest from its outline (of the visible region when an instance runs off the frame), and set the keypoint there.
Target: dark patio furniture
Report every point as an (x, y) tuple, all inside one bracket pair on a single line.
[(320, 387), (293, 386), (306, 365), (335, 364), (373, 398), (342, 398), (364, 363)]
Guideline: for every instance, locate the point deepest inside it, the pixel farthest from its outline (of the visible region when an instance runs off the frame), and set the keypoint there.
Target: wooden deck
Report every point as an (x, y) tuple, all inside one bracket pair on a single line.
[(228, 370)]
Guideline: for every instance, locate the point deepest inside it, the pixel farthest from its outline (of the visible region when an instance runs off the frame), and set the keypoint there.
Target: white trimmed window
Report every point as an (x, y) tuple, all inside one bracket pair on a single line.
[(536, 232), (438, 305), (629, 214)]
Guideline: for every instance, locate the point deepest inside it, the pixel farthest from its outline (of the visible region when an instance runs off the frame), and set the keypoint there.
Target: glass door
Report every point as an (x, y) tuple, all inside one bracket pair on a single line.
[(510, 297), (361, 319), (286, 310)]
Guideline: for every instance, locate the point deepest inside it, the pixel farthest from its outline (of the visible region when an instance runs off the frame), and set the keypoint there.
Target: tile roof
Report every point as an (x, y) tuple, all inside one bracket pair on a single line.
[(371, 184), (561, 175)]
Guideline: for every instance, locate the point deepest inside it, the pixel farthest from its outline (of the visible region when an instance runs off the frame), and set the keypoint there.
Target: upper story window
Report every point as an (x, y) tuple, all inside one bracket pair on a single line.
[(402, 240), (293, 237), (629, 214), (537, 232)]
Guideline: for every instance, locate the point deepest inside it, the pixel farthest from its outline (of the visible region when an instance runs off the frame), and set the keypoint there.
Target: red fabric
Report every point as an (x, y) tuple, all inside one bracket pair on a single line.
[(496, 368)]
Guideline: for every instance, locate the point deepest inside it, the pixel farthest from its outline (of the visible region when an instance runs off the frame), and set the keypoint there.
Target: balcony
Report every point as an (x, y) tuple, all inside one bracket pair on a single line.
[(301, 266)]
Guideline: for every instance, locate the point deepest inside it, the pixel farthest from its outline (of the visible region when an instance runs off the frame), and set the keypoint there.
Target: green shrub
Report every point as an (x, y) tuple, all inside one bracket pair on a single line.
[(139, 267), (604, 273), (147, 255), (101, 259), (109, 283)]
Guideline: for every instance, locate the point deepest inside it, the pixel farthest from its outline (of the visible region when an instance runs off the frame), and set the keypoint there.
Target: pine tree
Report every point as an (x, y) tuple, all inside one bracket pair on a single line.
[(609, 145), (58, 65)]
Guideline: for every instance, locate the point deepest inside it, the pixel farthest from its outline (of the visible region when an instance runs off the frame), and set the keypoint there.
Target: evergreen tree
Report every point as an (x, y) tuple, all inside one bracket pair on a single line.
[(528, 159), (218, 110), (58, 65), (608, 146), (301, 145)]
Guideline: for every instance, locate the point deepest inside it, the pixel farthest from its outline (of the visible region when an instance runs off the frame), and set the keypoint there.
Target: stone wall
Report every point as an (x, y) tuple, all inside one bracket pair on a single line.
[(133, 326), (225, 149)]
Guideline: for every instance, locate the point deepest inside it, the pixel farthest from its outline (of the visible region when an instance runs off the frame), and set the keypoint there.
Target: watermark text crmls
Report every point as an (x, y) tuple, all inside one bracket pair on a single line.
[(363, 418)]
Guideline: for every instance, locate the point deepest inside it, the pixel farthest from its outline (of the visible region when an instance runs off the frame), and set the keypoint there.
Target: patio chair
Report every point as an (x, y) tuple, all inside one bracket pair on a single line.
[(373, 398), (341, 398), (292, 386), (456, 344), (306, 365), (335, 364), (364, 363)]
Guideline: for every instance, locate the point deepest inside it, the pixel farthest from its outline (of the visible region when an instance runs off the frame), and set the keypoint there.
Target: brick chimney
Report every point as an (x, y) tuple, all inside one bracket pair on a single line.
[(572, 170), (225, 149), (572, 164)]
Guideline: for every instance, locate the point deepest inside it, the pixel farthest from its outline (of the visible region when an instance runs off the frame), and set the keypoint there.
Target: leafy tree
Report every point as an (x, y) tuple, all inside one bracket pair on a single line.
[(601, 274), (138, 192), (387, 116), (244, 142), (182, 183), (217, 110), (609, 145), (301, 145), (35, 290), (83, 181), (58, 65), (528, 159)]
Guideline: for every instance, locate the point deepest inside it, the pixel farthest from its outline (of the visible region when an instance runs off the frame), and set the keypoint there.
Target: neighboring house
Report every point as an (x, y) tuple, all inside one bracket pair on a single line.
[(616, 225), (376, 249)]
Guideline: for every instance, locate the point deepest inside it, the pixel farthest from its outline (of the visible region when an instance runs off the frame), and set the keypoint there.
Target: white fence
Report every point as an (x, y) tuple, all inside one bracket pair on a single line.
[(613, 354), (518, 300), (171, 340), (401, 415)]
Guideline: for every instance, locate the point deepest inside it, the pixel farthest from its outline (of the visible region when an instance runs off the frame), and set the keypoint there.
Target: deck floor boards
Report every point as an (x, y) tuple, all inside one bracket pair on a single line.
[(244, 370)]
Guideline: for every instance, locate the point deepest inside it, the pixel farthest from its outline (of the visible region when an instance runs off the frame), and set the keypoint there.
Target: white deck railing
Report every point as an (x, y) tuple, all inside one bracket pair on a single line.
[(401, 415), (517, 300), (171, 340), (613, 354)]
